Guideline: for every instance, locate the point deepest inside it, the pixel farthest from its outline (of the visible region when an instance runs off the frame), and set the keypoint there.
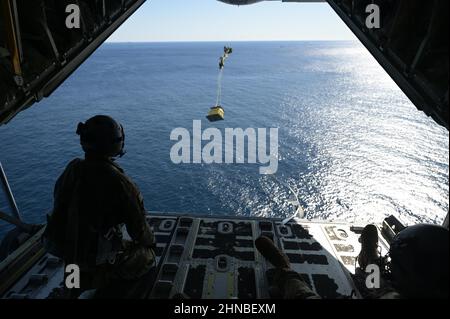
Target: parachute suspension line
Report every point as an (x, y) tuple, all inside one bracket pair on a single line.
[(219, 88), (226, 53), (217, 113)]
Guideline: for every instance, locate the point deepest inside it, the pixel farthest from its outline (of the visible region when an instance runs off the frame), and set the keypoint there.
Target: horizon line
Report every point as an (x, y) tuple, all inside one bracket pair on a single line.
[(218, 41)]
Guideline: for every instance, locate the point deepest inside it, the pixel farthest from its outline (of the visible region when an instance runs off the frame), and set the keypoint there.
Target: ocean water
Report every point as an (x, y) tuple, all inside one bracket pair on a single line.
[(350, 142)]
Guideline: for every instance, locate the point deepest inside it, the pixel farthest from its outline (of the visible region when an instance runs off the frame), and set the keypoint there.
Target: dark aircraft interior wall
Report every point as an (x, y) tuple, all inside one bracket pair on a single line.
[(412, 42), (47, 45)]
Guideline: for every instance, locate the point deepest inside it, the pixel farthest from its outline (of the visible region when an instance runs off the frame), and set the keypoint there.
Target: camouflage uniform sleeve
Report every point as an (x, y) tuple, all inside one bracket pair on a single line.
[(57, 220), (63, 178), (134, 215), (293, 286)]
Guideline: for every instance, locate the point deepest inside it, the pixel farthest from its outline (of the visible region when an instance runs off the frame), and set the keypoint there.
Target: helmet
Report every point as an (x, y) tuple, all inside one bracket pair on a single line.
[(419, 261), (102, 135)]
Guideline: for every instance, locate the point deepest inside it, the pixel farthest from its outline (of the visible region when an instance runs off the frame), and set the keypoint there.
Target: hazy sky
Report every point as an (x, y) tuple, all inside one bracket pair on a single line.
[(210, 20)]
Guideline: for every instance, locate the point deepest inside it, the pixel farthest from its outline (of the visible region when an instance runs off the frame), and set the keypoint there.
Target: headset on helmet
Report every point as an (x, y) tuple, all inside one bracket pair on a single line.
[(420, 261), (102, 135)]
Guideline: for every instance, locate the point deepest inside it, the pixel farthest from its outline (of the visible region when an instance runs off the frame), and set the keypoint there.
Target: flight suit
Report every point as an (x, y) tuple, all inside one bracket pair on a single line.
[(93, 199), (290, 285)]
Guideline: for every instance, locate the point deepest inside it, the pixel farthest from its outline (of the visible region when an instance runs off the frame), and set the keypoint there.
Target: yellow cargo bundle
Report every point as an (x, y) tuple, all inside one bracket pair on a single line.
[(216, 113)]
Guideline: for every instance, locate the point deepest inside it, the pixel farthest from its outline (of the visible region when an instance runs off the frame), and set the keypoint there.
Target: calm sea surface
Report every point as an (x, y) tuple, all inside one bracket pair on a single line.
[(350, 142)]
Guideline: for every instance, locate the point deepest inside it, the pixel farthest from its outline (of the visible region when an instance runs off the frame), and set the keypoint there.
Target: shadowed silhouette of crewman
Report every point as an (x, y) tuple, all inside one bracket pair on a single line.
[(94, 201)]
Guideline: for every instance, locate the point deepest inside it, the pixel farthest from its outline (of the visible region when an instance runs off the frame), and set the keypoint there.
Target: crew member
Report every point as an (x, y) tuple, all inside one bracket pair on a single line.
[(93, 201), (418, 267)]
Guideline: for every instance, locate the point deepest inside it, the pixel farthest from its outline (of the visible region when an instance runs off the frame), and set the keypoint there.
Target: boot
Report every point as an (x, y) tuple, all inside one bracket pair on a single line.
[(275, 256), (369, 247)]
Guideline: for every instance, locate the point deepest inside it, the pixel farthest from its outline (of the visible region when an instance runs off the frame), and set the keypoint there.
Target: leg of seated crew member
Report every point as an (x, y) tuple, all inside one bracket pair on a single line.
[(290, 283), (134, 262)]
